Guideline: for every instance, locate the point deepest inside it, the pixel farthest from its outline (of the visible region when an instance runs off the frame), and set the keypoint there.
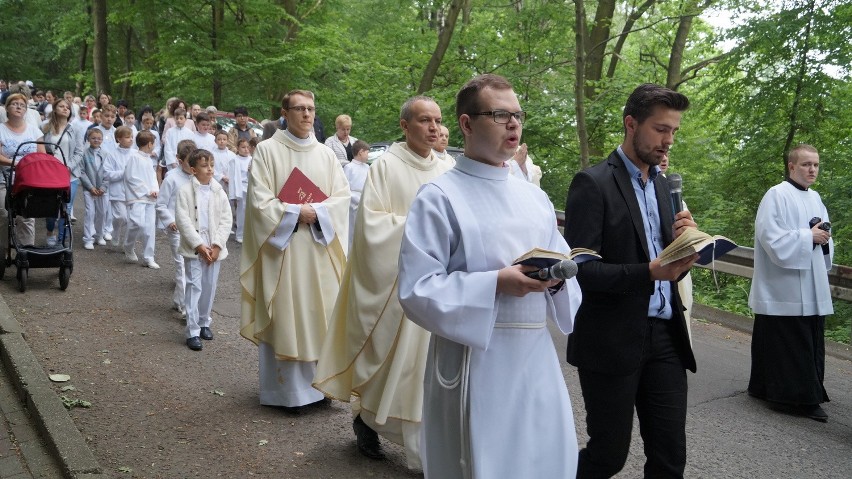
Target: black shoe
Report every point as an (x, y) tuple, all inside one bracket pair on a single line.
[(206, 333), (194, 343), (814, 412), (367, 440)]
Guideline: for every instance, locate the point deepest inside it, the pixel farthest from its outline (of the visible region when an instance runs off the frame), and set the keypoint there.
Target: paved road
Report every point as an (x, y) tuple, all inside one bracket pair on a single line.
[(160, 410)]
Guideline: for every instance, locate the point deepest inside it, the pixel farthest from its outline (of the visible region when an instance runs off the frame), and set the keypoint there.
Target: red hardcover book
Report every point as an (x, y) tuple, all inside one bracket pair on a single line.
[(299, 189)]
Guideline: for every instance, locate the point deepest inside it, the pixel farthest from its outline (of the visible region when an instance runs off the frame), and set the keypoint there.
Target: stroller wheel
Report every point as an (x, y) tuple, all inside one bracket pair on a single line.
[(64, 278), (22, 279)]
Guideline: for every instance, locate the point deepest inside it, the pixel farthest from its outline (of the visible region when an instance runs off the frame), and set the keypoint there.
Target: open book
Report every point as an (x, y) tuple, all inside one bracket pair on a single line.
[(542, 258), (693, 241)]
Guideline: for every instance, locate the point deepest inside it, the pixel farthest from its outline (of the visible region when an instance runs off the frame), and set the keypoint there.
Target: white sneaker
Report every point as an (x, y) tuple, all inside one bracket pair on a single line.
[(88, 246), (107, 237), (102, 241), (131, 256), (51, 241), (115, 241), (151, 264)]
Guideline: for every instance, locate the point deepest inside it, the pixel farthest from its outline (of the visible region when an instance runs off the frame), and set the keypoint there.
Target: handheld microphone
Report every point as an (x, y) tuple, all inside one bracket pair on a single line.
[(676, 187), (565, 269)]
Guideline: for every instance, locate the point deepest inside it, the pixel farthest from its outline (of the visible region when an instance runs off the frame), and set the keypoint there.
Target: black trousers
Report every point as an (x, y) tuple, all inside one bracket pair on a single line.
[(657, 390)]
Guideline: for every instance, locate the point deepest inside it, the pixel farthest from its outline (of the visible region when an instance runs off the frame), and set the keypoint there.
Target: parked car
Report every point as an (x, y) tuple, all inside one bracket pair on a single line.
[(226, 121), (378, 149)]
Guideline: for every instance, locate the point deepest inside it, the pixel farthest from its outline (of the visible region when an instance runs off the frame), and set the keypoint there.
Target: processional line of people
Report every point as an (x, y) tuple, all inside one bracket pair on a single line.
[(399, 289), (422, 318)]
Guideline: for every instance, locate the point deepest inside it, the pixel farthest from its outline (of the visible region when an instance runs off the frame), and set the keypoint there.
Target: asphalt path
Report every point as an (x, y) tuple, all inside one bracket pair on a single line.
[(159, 410)]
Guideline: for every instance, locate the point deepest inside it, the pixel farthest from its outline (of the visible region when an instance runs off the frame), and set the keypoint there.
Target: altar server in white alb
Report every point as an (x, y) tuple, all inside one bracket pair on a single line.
[(790, 296), (495, 402), (140, 191), (372, 351), (356, 174), (292, 257)]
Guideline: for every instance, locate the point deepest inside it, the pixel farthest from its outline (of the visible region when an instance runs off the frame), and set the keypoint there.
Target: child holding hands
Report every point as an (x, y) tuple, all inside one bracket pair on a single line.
[(203, 218)]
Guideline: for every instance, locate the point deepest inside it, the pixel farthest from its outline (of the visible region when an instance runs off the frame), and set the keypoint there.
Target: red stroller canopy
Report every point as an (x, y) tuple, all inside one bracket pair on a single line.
[(40, 171)]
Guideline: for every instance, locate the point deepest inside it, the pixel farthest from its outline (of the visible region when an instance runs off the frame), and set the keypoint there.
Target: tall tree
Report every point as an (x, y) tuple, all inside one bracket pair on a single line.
[(100, 63), (445, 34)]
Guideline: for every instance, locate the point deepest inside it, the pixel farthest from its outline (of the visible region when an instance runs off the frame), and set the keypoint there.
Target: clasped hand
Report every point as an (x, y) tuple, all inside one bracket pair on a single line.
[(307, 214)]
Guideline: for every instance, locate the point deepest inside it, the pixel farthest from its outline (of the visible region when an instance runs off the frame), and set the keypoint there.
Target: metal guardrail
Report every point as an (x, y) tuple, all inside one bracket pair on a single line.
[(740, 262)]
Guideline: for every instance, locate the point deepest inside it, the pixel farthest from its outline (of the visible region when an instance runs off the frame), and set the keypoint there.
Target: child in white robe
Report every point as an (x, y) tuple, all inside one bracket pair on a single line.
[(166, 204), (356, 172), (238, 187), (173, 137), (222, 157), (141, 190), (117, 219), (203, 218)]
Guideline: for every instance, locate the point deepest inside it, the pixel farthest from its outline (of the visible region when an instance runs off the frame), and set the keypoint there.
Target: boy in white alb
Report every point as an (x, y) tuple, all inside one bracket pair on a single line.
[(203, 217), (92, 178), (166, 203), (202, 137), (106, 126), (173, 136), (238, 186), (116, 221), (222, 157), (356, 172), (141, 190)]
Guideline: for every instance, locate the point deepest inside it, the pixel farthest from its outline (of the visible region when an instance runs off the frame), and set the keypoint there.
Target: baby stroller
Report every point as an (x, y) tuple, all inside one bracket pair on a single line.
[(38, 186)]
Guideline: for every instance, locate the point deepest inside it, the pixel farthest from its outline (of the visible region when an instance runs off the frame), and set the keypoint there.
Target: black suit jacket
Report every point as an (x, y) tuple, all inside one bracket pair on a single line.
[(602, 214)]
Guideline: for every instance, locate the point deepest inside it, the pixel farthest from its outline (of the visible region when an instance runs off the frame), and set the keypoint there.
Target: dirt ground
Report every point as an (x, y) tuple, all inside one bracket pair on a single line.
[(158, 409)]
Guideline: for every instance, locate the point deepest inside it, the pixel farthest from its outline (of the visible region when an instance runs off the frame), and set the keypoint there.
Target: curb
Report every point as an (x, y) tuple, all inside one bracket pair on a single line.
[(745, 324), (61, 436)]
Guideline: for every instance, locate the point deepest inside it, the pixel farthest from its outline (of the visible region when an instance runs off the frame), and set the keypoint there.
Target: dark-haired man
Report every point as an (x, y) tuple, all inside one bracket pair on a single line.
[(630, 342), (240, 129), (495, 403)]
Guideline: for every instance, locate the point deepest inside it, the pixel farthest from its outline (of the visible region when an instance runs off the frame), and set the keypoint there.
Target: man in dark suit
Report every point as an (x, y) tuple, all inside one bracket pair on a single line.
[(630, 341)]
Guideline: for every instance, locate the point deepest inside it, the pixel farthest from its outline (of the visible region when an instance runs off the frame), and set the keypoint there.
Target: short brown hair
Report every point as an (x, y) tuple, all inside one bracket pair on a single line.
[(359, 146), (143, 138), (108, 108), (123, 131), (198, 155), (184, 148), (285, 102), (795, 153), (467, 99), (641, 103)]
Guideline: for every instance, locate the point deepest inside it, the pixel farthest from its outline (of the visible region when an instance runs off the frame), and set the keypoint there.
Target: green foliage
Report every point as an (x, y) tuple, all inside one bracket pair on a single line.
[(732, 296)]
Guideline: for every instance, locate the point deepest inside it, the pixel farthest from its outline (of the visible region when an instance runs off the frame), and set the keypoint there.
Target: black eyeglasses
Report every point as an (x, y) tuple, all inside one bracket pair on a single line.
[(503, 116), (302, 109)]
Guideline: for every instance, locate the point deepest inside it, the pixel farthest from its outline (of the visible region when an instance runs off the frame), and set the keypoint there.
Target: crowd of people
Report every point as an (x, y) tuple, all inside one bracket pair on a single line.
[(396, 283)]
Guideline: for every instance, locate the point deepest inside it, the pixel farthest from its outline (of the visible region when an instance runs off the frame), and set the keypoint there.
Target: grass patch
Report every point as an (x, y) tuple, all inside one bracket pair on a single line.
[(732, 296)]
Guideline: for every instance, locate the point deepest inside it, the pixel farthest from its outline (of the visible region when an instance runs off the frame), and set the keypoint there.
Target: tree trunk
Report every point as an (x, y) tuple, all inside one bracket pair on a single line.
[(218, 20), (800, 80), (80, 87), (99, 49), (128, 64), (579, 81), (444, 37), (595, 45), (635, 15), (674, 74)]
